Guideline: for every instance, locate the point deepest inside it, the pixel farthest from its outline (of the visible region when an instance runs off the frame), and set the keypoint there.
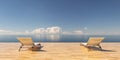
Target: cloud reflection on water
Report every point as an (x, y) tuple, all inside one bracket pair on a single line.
[(51, 37)]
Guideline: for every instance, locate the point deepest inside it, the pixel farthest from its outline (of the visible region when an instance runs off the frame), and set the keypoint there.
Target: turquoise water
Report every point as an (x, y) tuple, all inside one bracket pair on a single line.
[(59, 38)]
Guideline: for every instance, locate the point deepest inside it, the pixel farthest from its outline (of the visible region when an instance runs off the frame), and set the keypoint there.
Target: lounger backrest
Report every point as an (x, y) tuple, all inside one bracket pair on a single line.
[(26, 41), (95, 40)]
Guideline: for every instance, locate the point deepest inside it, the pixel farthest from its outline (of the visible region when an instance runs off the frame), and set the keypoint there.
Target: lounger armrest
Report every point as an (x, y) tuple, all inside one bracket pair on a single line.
[(83, 43)]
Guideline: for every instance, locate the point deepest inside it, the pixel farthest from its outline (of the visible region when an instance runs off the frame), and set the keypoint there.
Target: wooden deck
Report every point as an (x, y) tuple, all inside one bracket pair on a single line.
[(60, 51)]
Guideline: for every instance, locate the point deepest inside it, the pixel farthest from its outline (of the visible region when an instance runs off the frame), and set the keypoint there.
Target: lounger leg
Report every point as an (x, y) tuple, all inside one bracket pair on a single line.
[(99, 46), (20, 47)]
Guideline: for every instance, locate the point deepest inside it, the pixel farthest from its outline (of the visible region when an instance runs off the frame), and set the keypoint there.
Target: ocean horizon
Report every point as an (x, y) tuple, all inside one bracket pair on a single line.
[(59, 38)]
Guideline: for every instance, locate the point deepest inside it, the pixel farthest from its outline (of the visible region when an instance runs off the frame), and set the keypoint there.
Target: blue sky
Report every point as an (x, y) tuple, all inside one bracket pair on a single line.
[(98, 16)]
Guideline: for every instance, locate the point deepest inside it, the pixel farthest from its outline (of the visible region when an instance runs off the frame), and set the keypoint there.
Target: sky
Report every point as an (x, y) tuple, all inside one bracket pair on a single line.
[(54, 16)]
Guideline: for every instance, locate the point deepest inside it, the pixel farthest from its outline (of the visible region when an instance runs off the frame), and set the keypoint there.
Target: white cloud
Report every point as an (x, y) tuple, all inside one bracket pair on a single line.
[(4, 31), (27, 32), (85, 28), (76, 32), (38, 31), (53, 30), (66, 33), (49, 30), (7, 32)]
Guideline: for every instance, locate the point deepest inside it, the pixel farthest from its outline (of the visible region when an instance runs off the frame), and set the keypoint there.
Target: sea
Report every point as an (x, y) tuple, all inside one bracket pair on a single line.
[(59, 38)]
